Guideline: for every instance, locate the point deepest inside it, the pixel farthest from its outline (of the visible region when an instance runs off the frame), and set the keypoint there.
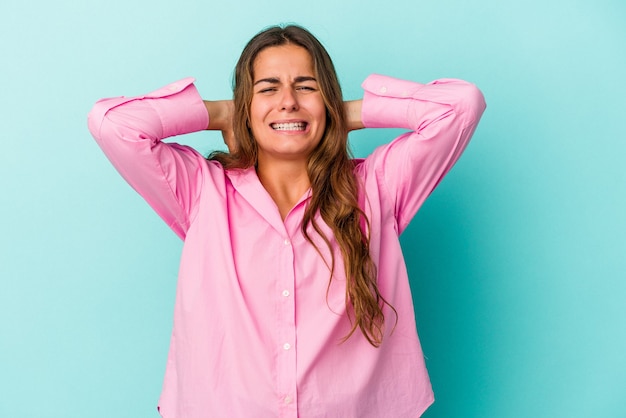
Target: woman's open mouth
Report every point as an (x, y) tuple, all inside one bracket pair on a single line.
[(289, 126)]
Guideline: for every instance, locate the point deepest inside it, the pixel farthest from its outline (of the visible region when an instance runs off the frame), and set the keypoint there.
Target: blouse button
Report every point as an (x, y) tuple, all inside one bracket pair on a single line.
[(285, 293), (287, 242), (288, 399), (383, 89), (286, 346)]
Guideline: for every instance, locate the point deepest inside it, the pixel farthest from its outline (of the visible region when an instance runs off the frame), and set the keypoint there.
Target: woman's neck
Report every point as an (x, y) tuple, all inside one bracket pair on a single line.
[(286, 182)]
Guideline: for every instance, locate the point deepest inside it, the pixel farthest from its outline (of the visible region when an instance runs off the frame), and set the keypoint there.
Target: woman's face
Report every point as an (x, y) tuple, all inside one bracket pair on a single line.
[(287, 112)]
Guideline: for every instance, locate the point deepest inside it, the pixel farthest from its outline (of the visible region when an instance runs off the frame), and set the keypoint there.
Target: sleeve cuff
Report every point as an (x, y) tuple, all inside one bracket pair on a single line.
[(180, 108), (387, 102)]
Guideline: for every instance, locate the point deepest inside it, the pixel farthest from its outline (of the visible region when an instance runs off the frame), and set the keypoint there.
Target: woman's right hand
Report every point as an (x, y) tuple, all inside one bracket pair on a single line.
[(221, 119)]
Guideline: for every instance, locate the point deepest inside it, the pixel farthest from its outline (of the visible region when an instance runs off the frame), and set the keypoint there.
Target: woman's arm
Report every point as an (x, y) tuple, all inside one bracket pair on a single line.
[(130, 131), (440, 118)]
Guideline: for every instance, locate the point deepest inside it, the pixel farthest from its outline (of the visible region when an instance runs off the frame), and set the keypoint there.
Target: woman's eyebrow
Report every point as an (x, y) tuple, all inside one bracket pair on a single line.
[(275, 80), (303, 78), (271, 80)]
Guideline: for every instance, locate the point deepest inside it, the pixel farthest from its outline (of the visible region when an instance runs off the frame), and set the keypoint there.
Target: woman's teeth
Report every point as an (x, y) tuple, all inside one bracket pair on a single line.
[(291, 126)]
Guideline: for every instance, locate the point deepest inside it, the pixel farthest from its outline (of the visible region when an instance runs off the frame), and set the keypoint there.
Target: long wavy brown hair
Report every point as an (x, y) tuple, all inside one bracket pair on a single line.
[(331, 173)]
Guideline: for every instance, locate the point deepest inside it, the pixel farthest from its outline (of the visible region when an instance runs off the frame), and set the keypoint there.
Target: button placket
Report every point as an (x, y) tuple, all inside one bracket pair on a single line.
[(286, 333)]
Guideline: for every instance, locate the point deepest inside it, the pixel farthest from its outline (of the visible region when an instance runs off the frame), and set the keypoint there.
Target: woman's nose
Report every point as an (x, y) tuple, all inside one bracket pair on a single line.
[(289, 101)]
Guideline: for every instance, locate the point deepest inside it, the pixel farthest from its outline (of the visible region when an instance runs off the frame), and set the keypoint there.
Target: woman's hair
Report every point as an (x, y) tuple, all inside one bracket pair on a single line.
[(330, 169)]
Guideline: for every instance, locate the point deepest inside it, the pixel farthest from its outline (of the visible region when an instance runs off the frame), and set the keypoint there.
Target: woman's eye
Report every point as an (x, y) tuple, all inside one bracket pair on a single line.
[(305, 88), (268, 90)]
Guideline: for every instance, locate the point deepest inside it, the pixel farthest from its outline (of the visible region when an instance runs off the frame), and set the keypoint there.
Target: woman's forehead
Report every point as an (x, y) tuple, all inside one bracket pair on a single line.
[(283, 62)]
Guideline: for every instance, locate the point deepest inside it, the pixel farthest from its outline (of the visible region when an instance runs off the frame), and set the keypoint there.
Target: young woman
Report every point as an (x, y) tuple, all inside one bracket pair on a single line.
[(293, 298)]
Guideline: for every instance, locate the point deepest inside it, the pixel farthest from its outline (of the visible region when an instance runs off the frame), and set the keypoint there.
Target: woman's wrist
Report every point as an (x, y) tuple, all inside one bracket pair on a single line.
[(353, 114), (220, 114)]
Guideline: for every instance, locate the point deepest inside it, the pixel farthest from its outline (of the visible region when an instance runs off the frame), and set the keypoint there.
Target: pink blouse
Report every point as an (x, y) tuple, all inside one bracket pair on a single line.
[(256, 329)]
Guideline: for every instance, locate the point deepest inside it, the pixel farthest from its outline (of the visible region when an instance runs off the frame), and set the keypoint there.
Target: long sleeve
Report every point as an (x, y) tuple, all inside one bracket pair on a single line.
[(441, 116), (130, 130)]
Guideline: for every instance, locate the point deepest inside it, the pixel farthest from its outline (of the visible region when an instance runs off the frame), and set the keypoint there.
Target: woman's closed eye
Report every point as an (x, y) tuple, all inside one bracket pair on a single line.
[(301, 89), (305, 88)]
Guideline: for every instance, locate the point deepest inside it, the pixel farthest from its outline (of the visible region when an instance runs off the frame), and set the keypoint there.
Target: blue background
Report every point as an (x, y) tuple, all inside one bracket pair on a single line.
[(517, 260)]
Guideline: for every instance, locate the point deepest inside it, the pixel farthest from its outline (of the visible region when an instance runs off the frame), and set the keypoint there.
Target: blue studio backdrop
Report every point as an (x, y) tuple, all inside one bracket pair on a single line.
[(517, 260)]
